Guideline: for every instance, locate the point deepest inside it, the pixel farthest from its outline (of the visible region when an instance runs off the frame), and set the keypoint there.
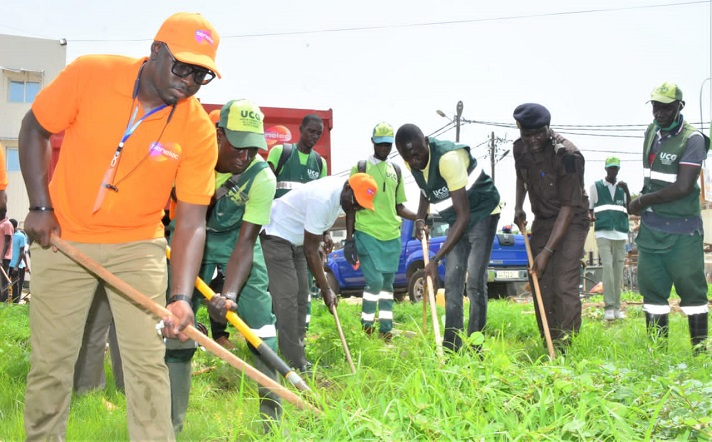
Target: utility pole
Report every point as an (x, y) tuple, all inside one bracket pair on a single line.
[(492, 152), (458, 116)]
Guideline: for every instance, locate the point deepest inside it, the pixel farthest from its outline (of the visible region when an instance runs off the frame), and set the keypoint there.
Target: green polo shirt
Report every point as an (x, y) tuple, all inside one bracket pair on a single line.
[(383, 223)]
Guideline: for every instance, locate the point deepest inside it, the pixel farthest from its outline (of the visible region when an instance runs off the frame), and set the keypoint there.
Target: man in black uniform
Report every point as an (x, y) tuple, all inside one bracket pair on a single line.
[(550, 168)]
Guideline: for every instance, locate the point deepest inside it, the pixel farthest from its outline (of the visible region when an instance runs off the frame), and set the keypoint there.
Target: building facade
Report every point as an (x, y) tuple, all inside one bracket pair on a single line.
[(26, 66)]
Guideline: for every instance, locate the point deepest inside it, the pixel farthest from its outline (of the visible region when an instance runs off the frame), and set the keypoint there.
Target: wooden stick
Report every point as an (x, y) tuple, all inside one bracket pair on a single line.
[(431, 297), (161, 312), (4, 273), (425, 310), (265, 352), (343, 339), (537, 294)]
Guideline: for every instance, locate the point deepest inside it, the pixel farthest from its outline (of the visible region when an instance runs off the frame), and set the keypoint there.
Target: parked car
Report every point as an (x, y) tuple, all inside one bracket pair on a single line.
[(507, 268)]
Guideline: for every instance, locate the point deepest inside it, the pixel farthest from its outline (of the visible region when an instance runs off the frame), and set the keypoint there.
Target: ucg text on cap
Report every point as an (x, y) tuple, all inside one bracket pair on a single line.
[(531, 116), (243, 123), (365, 188), (383, 133), (666, 93), (191, 39)]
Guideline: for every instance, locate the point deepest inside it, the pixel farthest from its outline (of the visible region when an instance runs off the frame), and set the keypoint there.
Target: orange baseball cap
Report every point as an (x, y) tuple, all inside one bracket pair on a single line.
[(365, 188), (191, 39), (215, 116)]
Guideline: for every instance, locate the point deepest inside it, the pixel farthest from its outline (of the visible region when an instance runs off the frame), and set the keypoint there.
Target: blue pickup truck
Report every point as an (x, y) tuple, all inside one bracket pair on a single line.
[(507, 267)]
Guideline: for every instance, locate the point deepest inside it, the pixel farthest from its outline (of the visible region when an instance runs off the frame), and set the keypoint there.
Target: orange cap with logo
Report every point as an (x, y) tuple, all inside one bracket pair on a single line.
[(365, 188), (191, 39)]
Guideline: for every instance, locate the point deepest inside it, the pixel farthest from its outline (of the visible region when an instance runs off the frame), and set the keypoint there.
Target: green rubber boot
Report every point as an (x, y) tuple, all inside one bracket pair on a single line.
[(270, 403), (179, 374)]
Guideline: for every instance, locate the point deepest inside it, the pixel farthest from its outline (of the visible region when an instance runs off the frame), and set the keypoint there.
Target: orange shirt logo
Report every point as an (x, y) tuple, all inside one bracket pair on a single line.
[(161, 152)]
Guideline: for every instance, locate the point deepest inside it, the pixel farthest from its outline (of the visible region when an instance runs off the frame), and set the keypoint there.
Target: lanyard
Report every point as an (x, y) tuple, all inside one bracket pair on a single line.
[(130, 129), (107, 182)]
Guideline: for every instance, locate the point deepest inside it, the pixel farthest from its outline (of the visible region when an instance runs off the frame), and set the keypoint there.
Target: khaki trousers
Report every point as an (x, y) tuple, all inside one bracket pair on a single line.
[(62, 293)]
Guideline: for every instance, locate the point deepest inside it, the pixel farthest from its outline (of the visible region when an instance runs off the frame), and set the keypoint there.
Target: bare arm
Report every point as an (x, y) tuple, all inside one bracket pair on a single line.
[(34, 152), (461, 204), (238, 270), (686, 178), (405, 212), (561, 226), (6, 246), (187, 252), (423, 207), (311, 251)]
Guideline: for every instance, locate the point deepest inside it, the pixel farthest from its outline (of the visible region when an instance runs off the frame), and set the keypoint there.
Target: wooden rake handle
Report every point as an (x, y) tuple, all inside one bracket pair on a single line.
[(431, 298), (161, 312), (537, 294), (343, 339), (265, 352)]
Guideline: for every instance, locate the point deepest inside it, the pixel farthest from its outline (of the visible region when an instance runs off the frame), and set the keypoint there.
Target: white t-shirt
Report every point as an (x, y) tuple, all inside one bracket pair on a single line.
[(313, 207)]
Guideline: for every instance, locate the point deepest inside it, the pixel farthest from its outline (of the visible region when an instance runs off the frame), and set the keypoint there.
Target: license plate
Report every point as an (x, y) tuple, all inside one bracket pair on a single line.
[(507, 274)]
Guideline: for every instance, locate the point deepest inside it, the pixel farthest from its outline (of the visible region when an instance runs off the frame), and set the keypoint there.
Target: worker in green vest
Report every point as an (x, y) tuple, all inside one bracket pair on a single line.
[(670, 239), (608, 202), (465, 196), (373, 238), (244, 191), (297, 164)]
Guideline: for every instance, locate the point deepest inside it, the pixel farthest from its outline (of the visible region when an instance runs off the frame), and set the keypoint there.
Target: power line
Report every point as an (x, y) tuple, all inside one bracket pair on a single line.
[(424, 24)]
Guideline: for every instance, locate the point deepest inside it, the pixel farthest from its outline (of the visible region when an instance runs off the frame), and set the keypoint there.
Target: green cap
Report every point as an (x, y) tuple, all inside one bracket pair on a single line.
[(613, 162), (383, 133), (666, 93), (244, 124)]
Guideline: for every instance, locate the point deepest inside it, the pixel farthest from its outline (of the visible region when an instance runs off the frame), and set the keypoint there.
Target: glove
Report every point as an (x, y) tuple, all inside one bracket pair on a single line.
[(350, 252)]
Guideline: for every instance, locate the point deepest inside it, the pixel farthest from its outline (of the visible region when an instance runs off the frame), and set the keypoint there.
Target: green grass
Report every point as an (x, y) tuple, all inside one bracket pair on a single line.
[(612, 385)]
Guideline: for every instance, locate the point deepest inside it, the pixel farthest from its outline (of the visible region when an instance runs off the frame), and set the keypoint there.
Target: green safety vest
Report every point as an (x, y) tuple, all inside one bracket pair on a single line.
[(611, 213), (481, 193), (294, 173), (663, 172), (223, 224)]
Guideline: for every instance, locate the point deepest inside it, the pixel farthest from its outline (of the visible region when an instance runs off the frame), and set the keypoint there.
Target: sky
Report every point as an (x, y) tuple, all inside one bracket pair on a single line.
[(591, 63)]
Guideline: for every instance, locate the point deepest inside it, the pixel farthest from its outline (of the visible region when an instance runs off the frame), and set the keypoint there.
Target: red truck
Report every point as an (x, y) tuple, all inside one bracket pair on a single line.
[(281, 126)]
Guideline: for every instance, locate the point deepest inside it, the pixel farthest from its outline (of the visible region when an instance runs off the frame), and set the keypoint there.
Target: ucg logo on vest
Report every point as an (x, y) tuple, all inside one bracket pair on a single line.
[(667, 158), (441, 193), (313, 174)]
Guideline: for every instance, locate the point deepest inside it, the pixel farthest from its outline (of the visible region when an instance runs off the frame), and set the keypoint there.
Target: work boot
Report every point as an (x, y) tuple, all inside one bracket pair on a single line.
[(270, 402), (387, 337), (179, 374), (657, 327), (368, 329), (698, 332), (225, 342)]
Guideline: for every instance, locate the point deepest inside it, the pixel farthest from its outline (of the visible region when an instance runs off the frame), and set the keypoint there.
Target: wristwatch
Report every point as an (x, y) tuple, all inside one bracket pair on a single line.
[(175, 298)]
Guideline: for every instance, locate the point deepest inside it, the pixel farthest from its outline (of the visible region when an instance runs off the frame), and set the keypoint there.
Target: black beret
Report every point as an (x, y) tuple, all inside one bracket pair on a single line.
[(532, 116)]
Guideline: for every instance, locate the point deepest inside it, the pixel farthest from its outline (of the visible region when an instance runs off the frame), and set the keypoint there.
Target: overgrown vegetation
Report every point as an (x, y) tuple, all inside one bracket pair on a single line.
[(612, 385)]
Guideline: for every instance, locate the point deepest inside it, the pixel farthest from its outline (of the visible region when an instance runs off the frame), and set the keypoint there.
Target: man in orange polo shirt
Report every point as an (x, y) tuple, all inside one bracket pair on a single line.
[(132, 130)]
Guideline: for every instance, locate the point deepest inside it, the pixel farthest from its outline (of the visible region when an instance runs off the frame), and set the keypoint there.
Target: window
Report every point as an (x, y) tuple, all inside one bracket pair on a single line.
[(22, 85), (23, 91), (12, 159)]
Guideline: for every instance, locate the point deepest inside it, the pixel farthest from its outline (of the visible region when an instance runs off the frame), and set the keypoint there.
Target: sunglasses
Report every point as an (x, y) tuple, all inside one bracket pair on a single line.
[(201, 75)]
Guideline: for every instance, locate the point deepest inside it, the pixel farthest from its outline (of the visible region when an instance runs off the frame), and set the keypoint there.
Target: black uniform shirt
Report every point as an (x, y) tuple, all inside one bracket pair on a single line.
[(553, 178)]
